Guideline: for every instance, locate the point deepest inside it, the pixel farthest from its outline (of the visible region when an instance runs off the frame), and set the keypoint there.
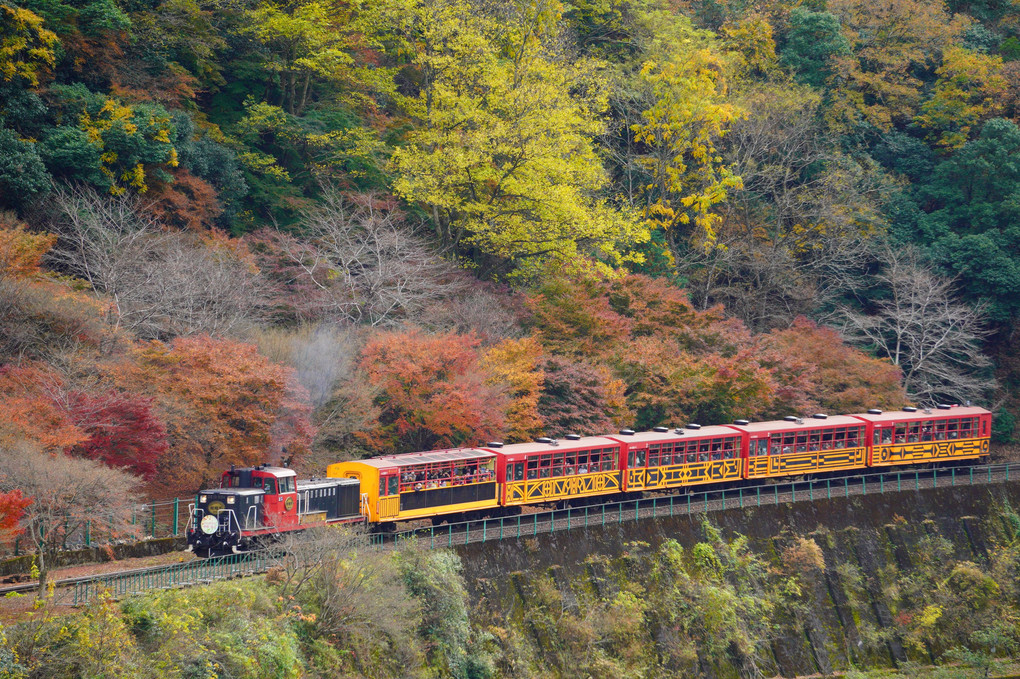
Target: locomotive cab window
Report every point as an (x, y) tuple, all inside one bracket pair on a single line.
[(269, 486), (287, 484)]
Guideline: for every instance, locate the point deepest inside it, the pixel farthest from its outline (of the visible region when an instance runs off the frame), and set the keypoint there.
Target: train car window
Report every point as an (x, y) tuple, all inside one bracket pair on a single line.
[(653, 455), (839, 437), (940, 430), (927, 430), (582, 462), (610, 459), (393, 485), (951, 429), (692, 452), (814, 440), (801, 443), (854, 437), (533, 467), (667, 454), (509, 473), (887, 435), (914, 432), (382, 486), (901, 433), (730, 451), (519, 471), (762, 448), (640, 458), (632, 459)]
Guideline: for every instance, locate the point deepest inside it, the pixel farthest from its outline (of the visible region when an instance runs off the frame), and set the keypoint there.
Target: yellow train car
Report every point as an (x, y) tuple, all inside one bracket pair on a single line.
[(421, 485), (912, 436), (548, 470), (661, 459), (796, 446)]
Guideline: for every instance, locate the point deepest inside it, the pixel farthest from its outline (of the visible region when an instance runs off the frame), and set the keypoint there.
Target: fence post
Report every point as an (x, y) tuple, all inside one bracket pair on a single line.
[(881, 484), (954, 477), (152, 532), (176, 522), (935, 477), (88, 533)]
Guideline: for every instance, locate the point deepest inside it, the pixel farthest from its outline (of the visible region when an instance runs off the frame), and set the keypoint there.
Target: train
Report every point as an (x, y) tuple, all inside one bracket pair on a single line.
[(254, 505)]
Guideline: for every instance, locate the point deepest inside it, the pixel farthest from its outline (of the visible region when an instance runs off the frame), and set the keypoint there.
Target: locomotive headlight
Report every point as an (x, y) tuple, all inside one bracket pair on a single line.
[(203, 499), (230, 500)]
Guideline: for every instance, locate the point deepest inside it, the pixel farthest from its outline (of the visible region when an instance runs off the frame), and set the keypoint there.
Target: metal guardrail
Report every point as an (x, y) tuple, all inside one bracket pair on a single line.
[(702, 502), (529, 525), (167, 577)]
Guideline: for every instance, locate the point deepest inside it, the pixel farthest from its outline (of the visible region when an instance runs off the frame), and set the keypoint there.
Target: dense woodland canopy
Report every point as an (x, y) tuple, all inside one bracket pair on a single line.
[(260, 229)]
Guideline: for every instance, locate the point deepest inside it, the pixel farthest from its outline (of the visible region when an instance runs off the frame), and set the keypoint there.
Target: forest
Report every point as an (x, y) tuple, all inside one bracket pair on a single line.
[(298, 231)]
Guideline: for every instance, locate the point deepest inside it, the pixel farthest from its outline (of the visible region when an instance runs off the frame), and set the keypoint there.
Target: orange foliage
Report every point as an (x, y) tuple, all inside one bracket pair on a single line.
[(12, 507), (21, 252), (187, 203), (432, 392), (221, 403), (31, 408), (839, 378), (512, 363)]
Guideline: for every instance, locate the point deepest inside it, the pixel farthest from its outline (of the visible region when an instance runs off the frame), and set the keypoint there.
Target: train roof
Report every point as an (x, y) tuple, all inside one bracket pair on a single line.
[(708, 431), (309, 484), (932, 414), (427, 457), (233, 491), (278, 472), (802, 423), (555, 445)]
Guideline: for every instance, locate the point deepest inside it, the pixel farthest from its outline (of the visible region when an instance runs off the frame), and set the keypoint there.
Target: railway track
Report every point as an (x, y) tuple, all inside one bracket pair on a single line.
[(79, 590)]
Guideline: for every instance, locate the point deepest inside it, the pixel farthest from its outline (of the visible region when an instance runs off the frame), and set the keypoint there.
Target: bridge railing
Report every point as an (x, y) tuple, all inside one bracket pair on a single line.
[(570, 518), (697, 502)]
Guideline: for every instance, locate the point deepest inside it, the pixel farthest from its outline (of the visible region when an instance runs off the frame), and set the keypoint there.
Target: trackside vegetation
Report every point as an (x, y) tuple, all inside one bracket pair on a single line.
[(723, 606)]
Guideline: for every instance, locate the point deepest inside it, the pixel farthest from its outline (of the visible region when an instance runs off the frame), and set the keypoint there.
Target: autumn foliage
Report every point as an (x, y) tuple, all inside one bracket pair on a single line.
[(12, 507), (432, 393), (221, 403)]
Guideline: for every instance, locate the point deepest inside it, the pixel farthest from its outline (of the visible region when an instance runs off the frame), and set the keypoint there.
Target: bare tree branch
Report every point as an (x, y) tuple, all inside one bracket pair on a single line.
[(162, 283), (920, 326), (374, 268)]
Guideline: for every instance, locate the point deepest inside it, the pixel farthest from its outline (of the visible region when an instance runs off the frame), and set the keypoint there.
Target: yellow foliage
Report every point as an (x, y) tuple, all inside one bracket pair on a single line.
[(970, 88), (688, 116), (26, 48), (512, 363), (503, 154), (21, 251)]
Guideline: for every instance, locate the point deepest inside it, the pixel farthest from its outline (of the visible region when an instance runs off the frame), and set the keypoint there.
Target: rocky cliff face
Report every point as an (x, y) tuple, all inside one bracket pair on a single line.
[(875, 581)]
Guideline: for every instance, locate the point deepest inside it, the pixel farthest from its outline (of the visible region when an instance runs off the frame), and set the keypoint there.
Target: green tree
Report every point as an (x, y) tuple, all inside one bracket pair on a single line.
[(812, 40), (108, 143), (22, 173), (972, 225)]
